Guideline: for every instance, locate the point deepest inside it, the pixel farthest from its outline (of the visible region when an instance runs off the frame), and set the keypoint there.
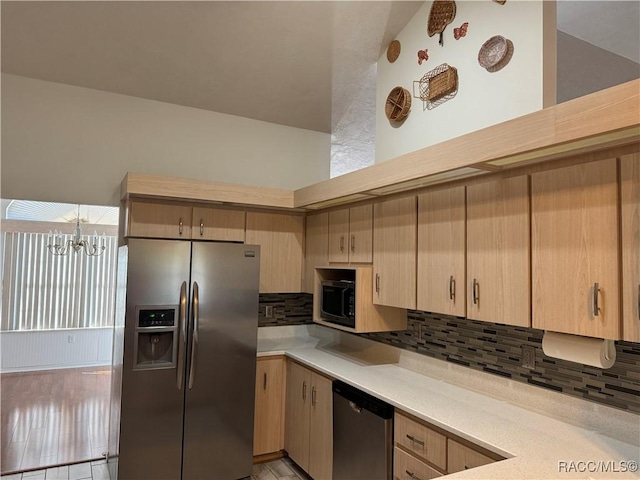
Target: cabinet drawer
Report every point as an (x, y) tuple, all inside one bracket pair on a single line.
[(461, 457), (421, 440), (406, 467)]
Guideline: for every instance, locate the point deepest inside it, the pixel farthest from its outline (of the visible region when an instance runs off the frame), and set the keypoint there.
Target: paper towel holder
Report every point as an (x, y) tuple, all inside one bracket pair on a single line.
[(596, 352)]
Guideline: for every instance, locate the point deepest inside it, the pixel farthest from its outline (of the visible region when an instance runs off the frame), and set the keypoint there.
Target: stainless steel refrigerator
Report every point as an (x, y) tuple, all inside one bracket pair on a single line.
[(184, 361)]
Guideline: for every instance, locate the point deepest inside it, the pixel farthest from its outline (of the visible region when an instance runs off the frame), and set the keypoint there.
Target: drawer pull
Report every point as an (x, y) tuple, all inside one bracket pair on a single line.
[(415, 440), (412, 475)]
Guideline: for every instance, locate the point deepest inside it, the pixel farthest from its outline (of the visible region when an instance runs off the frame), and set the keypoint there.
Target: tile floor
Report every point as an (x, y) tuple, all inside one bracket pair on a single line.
[(282, 469), (53, 417)]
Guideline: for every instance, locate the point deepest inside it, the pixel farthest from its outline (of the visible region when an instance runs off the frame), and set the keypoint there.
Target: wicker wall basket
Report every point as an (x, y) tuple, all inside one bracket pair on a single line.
[(398, 104), (393, 51), (437, 86), (441, 14)]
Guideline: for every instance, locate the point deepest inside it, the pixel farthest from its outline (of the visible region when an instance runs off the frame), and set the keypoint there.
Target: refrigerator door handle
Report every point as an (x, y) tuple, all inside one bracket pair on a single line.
[(194, 346), (182, 335)]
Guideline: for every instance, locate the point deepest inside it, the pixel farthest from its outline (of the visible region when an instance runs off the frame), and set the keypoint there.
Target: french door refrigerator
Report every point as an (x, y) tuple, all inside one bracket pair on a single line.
[(184, 380)]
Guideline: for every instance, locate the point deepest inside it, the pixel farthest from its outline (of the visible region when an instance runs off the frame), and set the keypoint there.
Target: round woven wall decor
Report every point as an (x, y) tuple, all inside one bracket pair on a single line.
[(398, 104), (393, 51)]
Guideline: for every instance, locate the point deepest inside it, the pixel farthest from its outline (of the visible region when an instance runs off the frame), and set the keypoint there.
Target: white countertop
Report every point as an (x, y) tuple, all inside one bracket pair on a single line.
[(534, 442)]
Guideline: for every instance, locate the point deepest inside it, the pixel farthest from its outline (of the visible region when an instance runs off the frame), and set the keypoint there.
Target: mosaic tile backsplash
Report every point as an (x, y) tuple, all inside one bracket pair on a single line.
[(491, 348), (288, 309), (496, 349)]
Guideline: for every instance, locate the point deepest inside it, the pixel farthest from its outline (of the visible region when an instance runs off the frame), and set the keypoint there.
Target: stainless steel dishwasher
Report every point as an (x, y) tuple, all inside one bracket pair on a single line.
[(362, 435)]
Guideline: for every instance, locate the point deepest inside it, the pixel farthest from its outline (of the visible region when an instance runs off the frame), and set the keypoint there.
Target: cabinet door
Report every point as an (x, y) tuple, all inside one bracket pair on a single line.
[(575, 250), (321, 430), (461, 457), (280, 237), (218, 224), (268, 434), (316, 252), (498, 252), (630, 177), (441, 252), (297, 411), (394, 252), (339, 236), (361, 234), (157, 220)]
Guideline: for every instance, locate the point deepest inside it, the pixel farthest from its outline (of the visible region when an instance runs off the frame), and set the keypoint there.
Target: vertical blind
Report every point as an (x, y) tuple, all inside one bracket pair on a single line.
[(41, 291)]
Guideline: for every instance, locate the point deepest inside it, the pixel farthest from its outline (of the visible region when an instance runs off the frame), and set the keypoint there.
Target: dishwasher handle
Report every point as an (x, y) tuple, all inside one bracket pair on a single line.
[(359, 400)]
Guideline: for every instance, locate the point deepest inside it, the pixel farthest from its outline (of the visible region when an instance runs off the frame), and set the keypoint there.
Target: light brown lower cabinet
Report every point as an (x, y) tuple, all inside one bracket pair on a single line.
[(407, 467), (423, 451), (268, 435), (461, 457), (309, 421)]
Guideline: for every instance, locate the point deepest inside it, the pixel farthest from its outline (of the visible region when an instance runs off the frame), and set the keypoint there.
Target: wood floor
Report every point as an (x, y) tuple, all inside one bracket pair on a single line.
[(53, 417)]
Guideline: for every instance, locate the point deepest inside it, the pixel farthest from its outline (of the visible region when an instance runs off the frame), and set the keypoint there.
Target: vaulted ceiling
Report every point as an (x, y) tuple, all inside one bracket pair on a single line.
[(294, 63)]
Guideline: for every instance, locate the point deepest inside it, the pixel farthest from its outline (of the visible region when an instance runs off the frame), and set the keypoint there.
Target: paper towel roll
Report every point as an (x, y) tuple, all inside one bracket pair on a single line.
[(596, 352)]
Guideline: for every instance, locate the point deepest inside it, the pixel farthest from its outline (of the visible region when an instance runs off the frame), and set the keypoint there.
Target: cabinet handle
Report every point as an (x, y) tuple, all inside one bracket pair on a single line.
[(353, 243), (180, 226), (377, 283), (313, 396), (452, 288), (467, 467), (415, 440), (639, 301), (596, 308), (264, 382), (476, 292), (412, 475), (304, 390), (342, 243), (201, 227)]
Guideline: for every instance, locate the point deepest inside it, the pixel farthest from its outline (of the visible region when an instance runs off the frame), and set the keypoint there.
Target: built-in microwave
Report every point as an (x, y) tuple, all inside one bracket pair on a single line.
[(338, 302)]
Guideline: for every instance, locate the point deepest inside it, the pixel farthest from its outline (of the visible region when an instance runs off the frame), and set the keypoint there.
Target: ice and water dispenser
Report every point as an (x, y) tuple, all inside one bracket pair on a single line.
[(156, 337)]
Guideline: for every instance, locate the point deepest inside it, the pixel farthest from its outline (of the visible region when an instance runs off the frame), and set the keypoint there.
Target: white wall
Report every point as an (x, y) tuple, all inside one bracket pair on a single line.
[(483, 98), (52, 349), (70, 144)]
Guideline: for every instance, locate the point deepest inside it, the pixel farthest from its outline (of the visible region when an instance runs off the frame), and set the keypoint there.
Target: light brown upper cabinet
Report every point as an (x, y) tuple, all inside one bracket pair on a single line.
[(209, 223), (441, 252), (280, 237), (498, 251), (575, 250), (159, 220), (185, 222), (630, 191), (351, 235), (394, 252), (316, 247)]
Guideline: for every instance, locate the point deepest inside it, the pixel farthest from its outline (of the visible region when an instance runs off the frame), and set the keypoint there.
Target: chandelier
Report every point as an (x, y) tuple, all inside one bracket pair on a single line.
[(59, 246)]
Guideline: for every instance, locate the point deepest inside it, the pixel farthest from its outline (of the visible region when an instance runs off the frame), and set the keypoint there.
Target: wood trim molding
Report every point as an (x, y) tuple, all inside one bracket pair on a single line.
[(139, 184), (603, 119)]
